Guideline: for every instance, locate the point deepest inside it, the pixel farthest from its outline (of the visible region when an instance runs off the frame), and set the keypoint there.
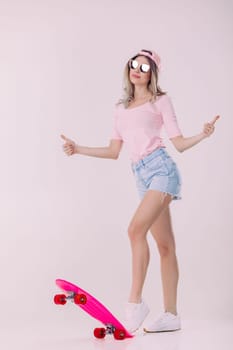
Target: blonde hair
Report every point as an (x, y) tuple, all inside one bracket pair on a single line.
[(152, 86)]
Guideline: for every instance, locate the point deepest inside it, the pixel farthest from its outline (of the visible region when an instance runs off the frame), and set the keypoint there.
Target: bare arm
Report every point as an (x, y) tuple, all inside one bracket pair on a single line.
[(110, 152), (182, 143)]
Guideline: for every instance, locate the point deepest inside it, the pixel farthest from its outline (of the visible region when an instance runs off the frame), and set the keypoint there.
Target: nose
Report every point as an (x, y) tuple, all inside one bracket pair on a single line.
[(137, 71)]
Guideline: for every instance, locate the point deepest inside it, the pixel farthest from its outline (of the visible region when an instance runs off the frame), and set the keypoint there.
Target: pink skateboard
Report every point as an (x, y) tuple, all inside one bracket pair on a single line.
[(94, 308)]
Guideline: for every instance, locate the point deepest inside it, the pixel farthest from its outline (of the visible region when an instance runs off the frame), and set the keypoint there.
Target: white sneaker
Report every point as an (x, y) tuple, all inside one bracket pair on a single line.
[(135, 314), (167, 322)]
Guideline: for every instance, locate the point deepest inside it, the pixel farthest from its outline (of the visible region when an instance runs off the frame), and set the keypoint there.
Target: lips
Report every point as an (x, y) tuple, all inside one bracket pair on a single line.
[(135, 76)]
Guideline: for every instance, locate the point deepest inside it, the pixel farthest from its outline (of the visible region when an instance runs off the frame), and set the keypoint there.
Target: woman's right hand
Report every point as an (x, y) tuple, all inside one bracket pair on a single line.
[(69, 146)]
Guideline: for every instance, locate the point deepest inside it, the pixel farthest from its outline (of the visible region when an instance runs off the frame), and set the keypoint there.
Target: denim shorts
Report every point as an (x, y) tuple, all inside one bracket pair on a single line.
[(157, 171)]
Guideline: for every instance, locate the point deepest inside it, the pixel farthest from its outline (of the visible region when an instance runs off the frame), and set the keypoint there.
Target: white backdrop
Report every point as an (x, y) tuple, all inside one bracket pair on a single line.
[(61, 72)]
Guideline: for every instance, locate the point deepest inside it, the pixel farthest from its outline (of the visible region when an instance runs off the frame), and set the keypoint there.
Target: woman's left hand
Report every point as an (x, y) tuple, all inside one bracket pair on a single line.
[(209, 127)]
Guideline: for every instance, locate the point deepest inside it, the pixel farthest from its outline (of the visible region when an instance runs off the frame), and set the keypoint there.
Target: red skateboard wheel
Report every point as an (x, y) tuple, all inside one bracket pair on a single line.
[(60, 299), (119, 334), (99, 333), (80, 299)]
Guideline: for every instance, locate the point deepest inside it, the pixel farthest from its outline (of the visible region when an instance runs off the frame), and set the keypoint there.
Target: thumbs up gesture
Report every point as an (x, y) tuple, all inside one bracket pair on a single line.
[(69, 146), (209, 127)]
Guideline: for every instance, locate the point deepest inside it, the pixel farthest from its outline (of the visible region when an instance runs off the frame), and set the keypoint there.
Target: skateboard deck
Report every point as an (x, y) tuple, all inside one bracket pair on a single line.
[(93, 307)]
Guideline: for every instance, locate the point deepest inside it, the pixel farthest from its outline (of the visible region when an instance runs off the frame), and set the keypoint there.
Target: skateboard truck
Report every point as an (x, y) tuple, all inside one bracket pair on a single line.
[(110, 329), (61, 299), (118, 334)]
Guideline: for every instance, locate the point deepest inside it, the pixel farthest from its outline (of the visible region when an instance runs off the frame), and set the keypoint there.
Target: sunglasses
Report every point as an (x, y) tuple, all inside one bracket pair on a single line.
[(144, 67)]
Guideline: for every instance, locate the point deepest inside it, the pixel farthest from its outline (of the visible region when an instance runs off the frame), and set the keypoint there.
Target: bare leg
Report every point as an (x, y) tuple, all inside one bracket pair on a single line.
[(161, 230), (151, 206)]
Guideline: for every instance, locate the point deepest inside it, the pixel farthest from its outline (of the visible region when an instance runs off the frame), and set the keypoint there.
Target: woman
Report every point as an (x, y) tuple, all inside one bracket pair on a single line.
[(138, 120)]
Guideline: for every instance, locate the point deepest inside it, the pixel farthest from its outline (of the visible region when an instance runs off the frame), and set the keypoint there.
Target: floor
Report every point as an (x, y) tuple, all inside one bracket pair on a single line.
[(198, 335)]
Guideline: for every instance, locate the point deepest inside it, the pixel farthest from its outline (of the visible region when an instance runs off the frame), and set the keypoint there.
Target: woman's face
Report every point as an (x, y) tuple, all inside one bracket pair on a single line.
[(138, 77)]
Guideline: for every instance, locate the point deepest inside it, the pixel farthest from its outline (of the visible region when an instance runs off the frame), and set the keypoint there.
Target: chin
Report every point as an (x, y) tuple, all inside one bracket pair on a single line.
[(138, 83)]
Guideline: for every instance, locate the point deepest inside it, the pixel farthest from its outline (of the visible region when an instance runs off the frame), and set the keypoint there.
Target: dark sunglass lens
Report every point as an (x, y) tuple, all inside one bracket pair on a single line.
[(134, 64), (145, 68)]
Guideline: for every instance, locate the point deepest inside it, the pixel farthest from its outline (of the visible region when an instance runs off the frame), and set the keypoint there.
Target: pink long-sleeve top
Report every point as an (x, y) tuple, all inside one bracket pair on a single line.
[(140, 127)]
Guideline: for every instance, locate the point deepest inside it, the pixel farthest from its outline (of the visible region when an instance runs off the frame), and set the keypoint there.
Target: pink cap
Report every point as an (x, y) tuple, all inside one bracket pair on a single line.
[(155, 57)]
